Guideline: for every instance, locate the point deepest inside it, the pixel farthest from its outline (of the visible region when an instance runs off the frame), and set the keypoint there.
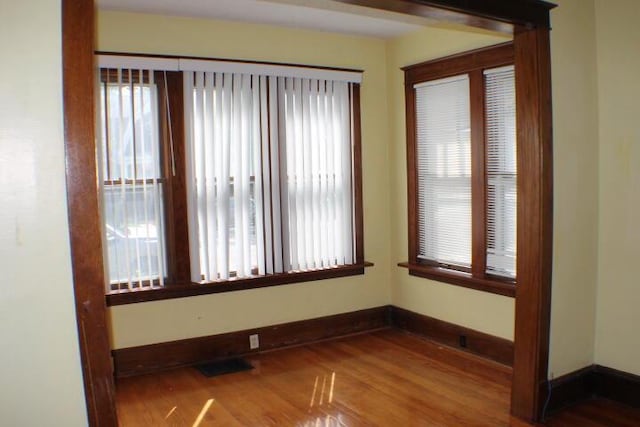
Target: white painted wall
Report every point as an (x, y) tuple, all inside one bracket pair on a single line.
[(575, 186), (39, 367), (618, 315)]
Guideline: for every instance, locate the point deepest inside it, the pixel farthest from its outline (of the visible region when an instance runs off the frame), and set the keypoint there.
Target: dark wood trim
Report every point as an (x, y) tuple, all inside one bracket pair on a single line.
[(485, 345), (176, 192), (182, 290), (617, 385), (535, 219), (83, 209), (593, 381), (496, 15), (478, 174), (460, 278), (412, 170), (156, 357), (357, 176), (569, 389), (460, 63)]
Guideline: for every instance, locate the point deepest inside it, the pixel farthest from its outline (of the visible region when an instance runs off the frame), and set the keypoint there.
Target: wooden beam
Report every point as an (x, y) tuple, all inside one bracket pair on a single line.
[(495, 15), (535, 202), (78, 30)]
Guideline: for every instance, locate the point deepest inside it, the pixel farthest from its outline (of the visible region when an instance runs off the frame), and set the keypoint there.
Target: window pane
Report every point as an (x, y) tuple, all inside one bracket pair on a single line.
[(132, 131), (132, 195), (501, 171), (444, 171), (134, 233)]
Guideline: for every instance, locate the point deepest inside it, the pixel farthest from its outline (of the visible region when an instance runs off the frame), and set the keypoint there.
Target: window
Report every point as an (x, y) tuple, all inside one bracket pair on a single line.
[(132, 179), (461, 156), (231, 174)]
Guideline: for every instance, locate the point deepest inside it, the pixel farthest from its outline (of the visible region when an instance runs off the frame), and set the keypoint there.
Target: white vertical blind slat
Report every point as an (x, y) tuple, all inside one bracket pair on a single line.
[(259, 135), (281, 254), (192, 210), (210, 183)]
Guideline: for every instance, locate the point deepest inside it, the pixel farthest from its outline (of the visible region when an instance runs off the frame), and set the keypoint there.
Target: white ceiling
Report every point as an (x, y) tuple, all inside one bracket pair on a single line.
[(323, 15)]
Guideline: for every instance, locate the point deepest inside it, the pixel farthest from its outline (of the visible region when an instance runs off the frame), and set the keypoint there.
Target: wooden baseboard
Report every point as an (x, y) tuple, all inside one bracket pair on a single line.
[(617, 385), (487, 346), (570, 389), (594, 381), (155, 357)]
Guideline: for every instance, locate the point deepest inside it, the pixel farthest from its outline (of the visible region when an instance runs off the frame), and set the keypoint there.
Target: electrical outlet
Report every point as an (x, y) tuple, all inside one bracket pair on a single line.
[(254, 341), (463, 341)]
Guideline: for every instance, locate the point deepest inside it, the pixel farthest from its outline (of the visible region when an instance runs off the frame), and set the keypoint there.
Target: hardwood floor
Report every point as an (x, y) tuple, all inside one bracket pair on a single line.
[(386, 378)]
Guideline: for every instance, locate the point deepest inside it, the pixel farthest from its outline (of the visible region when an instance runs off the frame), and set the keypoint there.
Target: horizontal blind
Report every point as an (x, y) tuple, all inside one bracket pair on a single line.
[(444, 170), (501, 171), (131, 181)]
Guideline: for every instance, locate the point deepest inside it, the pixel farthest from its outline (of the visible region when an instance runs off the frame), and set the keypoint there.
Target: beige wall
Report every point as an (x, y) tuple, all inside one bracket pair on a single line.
[(618, 314), (489, 313), (151, 322), (40, 366), (575, 219)]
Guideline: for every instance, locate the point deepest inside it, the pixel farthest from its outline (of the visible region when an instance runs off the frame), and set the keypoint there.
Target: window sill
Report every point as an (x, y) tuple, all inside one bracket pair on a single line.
[(458, 278), (182, 290)]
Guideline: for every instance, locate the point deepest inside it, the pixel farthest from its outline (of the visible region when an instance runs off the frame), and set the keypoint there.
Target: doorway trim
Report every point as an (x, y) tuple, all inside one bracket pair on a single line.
[(529, 22)]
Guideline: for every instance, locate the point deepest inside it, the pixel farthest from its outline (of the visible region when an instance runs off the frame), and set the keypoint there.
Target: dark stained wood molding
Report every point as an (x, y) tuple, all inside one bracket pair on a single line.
[(459, 278), (488, 346), (495, 15), (479, 159), (617, 385), (569, 389), (530, 318), (357, 176), (174, 160), (535, 222), (466, 62), (82, 198), (593, 381), (156, 357), (183, 290)]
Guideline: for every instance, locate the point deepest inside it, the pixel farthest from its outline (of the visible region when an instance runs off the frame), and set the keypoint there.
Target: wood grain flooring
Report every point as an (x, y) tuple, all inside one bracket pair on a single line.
[(386, 378)]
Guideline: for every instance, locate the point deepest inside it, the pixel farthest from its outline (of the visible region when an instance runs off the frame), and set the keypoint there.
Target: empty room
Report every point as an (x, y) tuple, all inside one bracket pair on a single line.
[(320, 213)]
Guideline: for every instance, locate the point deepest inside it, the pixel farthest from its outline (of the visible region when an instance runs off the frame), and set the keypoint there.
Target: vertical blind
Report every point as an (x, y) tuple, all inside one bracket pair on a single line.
[(269, 174), (131, 179), (444, 170), (316, 139), (223, 113), (500, 110)]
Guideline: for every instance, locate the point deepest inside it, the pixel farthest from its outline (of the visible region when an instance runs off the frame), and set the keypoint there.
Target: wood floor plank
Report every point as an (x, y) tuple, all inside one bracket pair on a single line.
[(385, 378)]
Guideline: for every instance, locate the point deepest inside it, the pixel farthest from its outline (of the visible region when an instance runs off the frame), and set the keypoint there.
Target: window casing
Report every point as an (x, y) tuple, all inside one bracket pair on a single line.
[(279, 125), (461, 163)]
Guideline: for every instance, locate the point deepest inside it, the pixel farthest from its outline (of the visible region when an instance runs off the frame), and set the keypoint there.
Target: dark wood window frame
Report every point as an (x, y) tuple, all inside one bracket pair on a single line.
[(473, 64), (527, 20), (178, 280)]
